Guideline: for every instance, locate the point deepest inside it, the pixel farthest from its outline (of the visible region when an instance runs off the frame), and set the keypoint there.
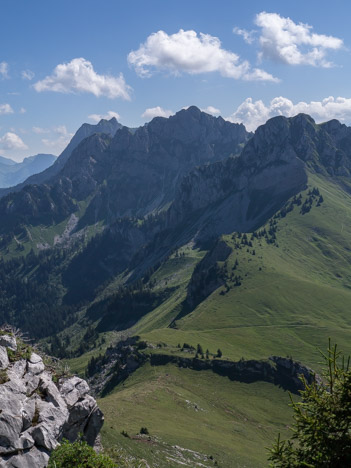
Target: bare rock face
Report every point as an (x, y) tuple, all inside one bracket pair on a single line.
[(36, 413)]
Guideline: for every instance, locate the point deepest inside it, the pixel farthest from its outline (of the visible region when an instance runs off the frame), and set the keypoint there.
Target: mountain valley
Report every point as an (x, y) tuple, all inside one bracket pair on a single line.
[(209, 248)]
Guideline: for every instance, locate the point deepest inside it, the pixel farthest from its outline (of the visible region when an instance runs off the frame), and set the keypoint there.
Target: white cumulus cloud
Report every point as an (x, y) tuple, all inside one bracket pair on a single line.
[(27, 75), (79, 76), (189, 52), (248, 36), (211, 110), (11, 141), (284, 41), (108, 116), (156, 112), (254, 113), (4, 69), (5, 109)]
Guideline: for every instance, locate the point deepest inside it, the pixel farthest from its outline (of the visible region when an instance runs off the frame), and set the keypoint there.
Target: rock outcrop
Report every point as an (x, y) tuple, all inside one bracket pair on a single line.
[(35, 412), (207, 276), (280, 371), (121, 360)]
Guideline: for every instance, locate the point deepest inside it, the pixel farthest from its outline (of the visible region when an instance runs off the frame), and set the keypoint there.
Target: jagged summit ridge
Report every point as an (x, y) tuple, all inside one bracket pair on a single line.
[(130, 173), (324, 148)]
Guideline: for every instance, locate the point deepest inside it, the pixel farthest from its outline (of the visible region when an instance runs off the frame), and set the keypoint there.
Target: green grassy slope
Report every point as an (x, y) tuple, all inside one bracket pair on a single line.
[(295, 293), (229, 421)]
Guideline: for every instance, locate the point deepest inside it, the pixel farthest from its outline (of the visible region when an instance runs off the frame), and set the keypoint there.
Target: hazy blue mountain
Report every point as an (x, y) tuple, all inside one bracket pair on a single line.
[(43, 174), (13, 173), (7, 161)]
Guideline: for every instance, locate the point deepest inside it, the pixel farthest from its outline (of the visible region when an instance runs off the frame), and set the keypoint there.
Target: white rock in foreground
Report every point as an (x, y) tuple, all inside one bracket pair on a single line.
[(35, 413)]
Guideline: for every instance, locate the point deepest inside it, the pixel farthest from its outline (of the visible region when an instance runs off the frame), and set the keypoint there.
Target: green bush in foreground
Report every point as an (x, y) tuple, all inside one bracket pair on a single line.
[(78, 455), (322, 428)]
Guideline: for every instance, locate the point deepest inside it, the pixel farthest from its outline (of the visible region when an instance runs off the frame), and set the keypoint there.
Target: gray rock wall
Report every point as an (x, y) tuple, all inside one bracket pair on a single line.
[(36, 413)]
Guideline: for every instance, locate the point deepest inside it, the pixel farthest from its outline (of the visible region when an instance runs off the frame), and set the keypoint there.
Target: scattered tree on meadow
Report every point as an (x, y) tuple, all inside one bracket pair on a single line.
[(322, 428)]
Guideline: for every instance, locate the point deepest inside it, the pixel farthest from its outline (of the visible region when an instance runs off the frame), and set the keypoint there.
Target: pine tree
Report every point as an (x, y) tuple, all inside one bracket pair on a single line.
[(322, 428)]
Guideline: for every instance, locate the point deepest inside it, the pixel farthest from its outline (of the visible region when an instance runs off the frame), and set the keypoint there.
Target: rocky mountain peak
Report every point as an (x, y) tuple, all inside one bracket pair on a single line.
[(323, 148), (191, 125), (112, 121)]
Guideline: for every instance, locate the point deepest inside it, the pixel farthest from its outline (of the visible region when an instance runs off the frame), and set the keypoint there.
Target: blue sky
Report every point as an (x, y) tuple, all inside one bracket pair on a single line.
[(63, 63)]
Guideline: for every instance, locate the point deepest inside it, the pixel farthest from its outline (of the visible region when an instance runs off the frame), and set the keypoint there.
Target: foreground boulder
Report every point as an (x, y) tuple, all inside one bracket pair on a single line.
[(35, 412)]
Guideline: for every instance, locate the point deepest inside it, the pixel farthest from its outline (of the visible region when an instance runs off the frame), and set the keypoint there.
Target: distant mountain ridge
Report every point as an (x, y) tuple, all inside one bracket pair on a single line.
[(7, 161), (129, 174), (13, 173), (44, 174), (189, 178)]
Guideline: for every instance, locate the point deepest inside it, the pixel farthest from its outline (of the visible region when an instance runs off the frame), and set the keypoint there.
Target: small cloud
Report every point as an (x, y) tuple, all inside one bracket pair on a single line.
[(61, 130), (4, 70), (12, 141), (27, 75), (108, 116), (156, 112), (254, 113), (61, 141), (284, 41), (22, 110), (211, 110), (248, 36), (79, 76), (40, 130), (5, 109), (192, 53)]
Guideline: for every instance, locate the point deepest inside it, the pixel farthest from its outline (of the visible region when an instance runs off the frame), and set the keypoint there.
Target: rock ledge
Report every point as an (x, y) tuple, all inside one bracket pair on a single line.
[(35, 412)]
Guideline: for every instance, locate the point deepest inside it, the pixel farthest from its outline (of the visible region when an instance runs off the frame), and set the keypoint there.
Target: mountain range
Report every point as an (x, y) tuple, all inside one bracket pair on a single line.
[(42, 174), (201, 241), (13, 173)]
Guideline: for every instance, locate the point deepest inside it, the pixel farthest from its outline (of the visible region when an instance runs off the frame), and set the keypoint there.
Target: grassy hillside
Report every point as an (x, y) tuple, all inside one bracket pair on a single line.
[(287, 290), (295, 290), (228, 424)]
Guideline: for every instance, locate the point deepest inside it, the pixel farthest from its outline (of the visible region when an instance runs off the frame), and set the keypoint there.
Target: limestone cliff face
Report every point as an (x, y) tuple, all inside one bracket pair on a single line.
[(240, 193), (324, 148), (35, 412), (146, 167), (125, 357), (191, 161)]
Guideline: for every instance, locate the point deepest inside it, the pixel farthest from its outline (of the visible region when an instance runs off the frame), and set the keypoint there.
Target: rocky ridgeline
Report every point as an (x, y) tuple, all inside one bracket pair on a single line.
[(284, 372), (35, 412), (124, 358)]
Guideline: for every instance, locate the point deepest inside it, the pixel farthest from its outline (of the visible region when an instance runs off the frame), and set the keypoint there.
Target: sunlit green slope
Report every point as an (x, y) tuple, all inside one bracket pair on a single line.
[(295, 292), (224, 422)]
